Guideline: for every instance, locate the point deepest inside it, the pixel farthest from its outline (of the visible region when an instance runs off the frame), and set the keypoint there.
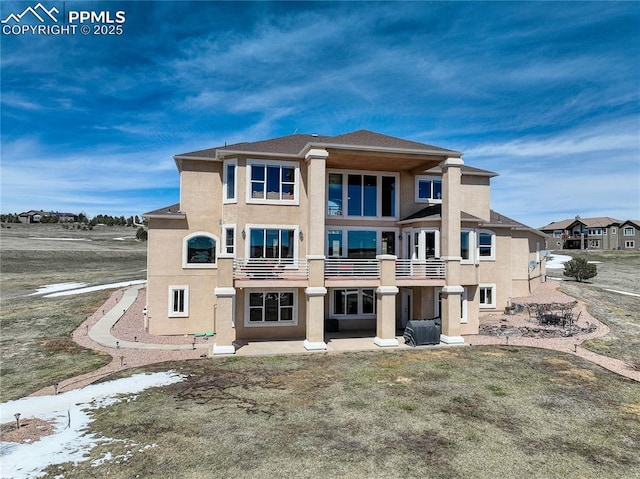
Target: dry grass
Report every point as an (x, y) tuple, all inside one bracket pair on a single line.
[(522, 413), (464, 412), (36, 345), (617, 270)]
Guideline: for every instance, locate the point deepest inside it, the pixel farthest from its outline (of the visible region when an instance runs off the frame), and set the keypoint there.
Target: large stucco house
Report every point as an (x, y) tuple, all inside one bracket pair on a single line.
[(600, 233), (299, 236)]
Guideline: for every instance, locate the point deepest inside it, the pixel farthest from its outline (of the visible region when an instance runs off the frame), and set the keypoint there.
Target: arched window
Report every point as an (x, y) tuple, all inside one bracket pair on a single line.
[(200, 251)]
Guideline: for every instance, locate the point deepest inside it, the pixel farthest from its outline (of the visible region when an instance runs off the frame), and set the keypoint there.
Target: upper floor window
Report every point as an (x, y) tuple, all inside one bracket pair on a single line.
[(356, 194), (359, 243), (428, 188), (229, 180), (229, 235), (466, 246), (272, 182), (613, 230), (595, 231), (200, 251), (272, 242), (486, 244), (628, 231)]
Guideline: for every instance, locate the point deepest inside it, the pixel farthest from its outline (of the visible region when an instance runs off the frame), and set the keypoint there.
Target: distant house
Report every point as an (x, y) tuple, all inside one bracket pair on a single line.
[(297, 236), (601, 233), (35, 216), (630, 231)]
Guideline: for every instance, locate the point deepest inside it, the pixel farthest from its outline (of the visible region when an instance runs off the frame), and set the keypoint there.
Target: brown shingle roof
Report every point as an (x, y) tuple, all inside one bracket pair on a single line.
[(165, 211), (597, 222), (294, 145)]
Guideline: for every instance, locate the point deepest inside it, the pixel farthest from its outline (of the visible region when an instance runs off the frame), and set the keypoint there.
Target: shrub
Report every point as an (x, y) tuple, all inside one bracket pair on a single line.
[(141, 234), (579, 269)]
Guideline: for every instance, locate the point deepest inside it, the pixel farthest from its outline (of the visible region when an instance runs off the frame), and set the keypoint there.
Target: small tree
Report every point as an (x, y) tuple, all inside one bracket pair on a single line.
[(579, 269), (141, 234)]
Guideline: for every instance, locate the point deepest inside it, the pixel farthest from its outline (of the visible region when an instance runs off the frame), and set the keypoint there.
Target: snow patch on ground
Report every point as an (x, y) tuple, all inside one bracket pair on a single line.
[(59, 239), (557, 261), (53, 288), (71, 412), (68, 289)]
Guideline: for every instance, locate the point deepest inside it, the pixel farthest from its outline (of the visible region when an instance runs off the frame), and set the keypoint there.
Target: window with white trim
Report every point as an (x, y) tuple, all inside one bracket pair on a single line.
[(272, 242), (271, 308), (614, 230), (437, 307), (272, 182), (594, 243), (428, 189), (467, 241), (360, 194), (229, 239), (595, 231), (557, 233), (463, 306), (628, 231), (486, 245), (230, 181), (487, 293), (360, 243), (200, 250), (353, 303), (629, 244), (178, 301)]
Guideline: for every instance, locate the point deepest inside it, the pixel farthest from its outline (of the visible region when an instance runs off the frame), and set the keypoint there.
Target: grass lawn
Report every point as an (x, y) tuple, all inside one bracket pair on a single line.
[(475, 412), (617, 270), (469, 412), (36, 347)]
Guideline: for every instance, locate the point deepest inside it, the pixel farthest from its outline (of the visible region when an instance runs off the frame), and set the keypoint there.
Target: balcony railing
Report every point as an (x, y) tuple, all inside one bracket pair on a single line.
[(344, 267), (298, 268), (270, 268), (412, 268)]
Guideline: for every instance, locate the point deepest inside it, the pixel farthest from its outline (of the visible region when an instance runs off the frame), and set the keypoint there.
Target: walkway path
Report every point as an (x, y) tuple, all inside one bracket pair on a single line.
[(97, 333)]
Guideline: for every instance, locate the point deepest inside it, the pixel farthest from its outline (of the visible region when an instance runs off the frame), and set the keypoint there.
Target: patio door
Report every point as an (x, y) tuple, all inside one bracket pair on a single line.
[(406, 305), (421, 244)]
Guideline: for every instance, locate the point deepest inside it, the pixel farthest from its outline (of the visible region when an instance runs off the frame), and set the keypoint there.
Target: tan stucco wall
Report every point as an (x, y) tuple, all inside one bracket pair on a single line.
[(475, 195)]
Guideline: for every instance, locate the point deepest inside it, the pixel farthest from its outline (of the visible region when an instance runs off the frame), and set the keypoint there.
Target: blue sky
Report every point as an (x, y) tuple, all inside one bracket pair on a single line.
[(545, 94)]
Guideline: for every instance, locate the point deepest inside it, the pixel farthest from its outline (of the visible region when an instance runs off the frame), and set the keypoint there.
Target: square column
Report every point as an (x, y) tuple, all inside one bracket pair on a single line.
[(224, 320), (386, 303), (315, 293), (451, 310)]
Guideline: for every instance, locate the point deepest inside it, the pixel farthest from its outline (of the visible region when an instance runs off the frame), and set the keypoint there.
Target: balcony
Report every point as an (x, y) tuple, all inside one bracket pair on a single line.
[(270, 269), (288, 271), (420, 269), (345, 267)]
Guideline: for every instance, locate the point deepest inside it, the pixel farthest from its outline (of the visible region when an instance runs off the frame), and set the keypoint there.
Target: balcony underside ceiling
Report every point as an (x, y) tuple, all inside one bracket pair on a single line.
[(358, 160)]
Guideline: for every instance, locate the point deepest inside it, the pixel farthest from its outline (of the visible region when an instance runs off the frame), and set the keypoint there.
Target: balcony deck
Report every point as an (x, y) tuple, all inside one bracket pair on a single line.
[(294, 272)]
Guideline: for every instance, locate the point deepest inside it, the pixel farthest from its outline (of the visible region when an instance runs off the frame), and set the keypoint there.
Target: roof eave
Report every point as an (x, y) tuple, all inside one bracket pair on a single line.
[(404, 151), (166, 216)]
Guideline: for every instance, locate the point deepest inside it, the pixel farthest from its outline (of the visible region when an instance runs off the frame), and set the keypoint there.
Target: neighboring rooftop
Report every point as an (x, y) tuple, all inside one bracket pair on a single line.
[(598, 222)]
